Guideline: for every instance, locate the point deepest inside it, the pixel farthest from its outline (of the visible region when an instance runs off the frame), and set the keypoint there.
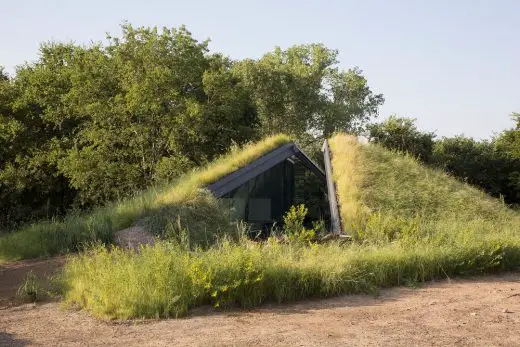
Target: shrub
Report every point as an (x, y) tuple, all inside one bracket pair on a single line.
[(401, 134), (294, 225)]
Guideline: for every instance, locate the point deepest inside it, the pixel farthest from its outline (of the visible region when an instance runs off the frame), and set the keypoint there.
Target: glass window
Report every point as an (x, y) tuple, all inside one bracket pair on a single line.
[(263, 200)]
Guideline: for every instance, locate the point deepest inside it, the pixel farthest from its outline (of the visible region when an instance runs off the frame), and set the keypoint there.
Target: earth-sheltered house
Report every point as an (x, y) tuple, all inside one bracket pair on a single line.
[(261, 192)]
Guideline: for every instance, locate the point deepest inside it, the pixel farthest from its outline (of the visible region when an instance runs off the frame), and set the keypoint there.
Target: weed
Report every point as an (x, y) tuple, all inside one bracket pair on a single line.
[(31, 289), (294, 225)]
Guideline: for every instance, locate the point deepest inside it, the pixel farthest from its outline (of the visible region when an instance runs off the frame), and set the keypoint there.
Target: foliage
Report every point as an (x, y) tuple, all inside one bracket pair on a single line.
[(509, 140), (293, 219), (478, 163), (401, 134), (85, 125), (158, 207), (294, 228), (508, 144), (300, 89), (493, 166), (31, 289)]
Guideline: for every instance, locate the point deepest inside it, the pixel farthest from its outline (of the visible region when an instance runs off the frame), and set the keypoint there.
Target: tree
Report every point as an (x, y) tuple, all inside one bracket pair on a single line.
[(152, 104), (299, 91), (30, 185), (98, 122), (476, 162), (402, 134), (508, 142), (350, 103)]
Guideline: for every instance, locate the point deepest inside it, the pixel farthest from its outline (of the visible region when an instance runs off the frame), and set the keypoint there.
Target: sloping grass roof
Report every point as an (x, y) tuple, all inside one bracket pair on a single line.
[(184, 198), (225, 165), (383, 195)]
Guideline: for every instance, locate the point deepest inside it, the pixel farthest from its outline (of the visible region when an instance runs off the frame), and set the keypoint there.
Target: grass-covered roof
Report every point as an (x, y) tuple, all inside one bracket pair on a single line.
[(183, 200), (383, 195)]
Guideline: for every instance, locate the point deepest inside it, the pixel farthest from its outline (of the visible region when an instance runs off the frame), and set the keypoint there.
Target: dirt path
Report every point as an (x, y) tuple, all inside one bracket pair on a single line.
[(13, 274), (479, 312)]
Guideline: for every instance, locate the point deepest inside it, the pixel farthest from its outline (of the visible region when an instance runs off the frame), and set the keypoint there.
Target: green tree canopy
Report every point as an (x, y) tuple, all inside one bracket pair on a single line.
[(301, 91), (92, 123), (402, 134)]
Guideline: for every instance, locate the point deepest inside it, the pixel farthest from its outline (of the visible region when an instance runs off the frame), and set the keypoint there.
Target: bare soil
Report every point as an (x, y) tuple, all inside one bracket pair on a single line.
[(483, 311), (13, 274), (133, 237)]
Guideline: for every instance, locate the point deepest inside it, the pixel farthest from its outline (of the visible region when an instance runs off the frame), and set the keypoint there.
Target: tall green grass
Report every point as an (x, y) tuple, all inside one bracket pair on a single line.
[(411, 224), (167, 280), (184, 203), (385, 196)]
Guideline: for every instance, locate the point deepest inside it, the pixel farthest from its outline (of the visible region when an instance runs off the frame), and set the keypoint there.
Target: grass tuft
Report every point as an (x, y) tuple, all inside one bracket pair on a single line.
[(31, 289)]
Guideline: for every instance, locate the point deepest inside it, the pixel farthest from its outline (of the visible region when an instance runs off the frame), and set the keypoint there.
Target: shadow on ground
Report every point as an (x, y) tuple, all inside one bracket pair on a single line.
[(9, 340), (386, 295)]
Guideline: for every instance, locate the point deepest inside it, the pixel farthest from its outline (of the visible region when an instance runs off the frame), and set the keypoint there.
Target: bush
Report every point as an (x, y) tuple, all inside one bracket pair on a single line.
[(294, 227), (480, 163), (402, 135)]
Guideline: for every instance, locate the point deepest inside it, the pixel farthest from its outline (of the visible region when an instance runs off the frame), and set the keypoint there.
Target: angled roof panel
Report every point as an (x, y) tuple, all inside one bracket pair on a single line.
[(262, 164)]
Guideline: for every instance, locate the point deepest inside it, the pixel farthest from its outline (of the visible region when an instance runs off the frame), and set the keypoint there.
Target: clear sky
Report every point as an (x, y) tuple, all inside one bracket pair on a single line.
[(453, 65)]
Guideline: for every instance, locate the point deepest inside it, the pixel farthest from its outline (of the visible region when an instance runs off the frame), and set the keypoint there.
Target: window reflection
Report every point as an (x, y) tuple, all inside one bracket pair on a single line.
[(263, 200)]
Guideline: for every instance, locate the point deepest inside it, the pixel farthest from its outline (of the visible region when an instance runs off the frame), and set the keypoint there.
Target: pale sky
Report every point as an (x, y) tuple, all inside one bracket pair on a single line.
[(453, 65)]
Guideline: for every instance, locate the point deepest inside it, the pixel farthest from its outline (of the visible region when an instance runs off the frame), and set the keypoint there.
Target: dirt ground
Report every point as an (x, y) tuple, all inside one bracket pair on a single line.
[(133, 237), (13, 274), (482, 311)]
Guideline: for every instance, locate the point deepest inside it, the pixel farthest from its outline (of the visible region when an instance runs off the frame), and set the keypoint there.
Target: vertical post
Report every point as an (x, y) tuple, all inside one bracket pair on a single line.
[(331, 191)]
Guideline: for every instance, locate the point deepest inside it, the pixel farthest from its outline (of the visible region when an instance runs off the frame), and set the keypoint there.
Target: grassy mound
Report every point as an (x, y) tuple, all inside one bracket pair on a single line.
[(385, 197), (410, 223), (171, 209)]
